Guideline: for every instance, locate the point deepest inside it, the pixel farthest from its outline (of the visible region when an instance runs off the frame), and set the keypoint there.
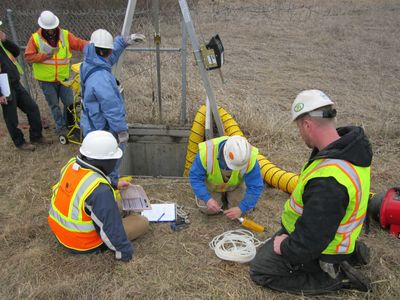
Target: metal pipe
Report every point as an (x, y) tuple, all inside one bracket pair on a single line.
[(203, 72), (154, 49), (183, 68), (157, 40), (126, 29), (21, 61)]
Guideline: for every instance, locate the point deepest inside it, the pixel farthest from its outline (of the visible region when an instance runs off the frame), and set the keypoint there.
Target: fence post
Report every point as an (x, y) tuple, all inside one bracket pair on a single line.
[(157, 40), (19, 58), (183, 67)]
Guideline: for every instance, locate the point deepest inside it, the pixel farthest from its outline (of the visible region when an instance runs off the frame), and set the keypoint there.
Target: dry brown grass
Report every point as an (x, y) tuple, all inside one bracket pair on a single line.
[(274, 49)]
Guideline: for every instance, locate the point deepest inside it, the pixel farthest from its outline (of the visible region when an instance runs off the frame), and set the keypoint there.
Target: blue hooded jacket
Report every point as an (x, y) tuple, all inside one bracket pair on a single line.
[(103, 105)]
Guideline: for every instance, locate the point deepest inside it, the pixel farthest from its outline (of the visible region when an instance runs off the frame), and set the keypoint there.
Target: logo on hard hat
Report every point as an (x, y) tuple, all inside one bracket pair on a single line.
[(231, 156), (298, 107)]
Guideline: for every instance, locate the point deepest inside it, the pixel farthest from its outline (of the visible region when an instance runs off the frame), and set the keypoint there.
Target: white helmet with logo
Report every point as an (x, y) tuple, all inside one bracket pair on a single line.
[(48, 20), (237, 152), (308, 101), (101, 38), (100, 145)]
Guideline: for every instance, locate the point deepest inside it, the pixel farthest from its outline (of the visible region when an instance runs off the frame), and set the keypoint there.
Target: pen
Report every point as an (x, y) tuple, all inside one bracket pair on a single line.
[(160, 217)]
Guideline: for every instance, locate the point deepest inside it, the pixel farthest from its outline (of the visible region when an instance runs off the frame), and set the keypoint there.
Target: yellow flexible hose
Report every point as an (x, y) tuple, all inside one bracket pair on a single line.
[(273, 175)]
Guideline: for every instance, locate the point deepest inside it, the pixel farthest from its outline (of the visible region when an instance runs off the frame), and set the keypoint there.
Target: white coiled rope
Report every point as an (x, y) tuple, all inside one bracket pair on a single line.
[(236, 245)]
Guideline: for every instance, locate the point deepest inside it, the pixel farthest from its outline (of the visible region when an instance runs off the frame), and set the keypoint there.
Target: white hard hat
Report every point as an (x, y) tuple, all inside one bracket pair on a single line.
[(101, 145), (237, 152), (102, 38), (307, 101), (1, 23), (48, 20)]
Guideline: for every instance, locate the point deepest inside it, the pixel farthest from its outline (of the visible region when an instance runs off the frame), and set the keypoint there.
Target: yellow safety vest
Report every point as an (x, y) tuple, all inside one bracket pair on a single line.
[(208, 152), (55, 68), (67, 218), (355, 179), (13, 59)]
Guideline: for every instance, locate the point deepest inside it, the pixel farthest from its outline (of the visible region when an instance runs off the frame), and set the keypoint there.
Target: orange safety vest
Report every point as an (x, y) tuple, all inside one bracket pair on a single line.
[(67, 218)]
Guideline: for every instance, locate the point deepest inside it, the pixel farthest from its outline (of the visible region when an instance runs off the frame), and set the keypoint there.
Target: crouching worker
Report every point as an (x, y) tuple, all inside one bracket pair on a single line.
[(316, 251), (225, 172), (83, 214)]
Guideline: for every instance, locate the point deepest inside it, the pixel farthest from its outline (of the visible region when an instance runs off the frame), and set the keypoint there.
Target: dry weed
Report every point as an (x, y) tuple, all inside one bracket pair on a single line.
[(274, 49)]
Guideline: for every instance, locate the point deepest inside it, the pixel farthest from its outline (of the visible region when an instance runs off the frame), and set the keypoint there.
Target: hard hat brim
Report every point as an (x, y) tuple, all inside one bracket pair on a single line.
[(49, 27), (117, 155)]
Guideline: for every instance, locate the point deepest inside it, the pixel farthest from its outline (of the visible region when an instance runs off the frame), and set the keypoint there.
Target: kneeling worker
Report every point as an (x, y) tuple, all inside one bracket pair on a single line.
[(226, 169), (83, 214), (316, 250)]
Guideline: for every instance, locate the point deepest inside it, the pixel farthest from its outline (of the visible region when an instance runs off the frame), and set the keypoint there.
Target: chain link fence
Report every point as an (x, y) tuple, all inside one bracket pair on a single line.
[(138, 73)]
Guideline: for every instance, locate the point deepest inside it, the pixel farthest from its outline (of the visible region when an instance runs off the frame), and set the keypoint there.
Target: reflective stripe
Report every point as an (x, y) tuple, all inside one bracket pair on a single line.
[(87, 182), (349, 170), (344, 245), (350, 226), (210, 156), (56, 62), (221, 187), (296, 207), (70, 225)]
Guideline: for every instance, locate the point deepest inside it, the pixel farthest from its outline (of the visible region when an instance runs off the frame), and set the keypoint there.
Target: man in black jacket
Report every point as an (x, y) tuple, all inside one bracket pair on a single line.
[(316, 250), (20, 98)]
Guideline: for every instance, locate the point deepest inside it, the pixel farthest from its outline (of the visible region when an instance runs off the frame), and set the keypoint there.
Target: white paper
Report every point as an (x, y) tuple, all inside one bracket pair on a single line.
[(4, 85), (164, 212)]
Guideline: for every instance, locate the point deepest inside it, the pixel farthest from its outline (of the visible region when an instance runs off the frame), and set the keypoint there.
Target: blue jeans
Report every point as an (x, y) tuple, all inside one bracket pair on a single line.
[(114, 175), (53, 91)]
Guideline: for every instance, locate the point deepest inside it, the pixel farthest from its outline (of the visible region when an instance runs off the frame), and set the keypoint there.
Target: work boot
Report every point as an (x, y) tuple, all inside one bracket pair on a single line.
[(353, 278), (27, 147), (42, 141)]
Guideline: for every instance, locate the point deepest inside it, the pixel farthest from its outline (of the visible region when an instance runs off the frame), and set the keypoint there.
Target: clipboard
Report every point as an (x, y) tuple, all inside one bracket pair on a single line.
[(134, 198), (4, 85)]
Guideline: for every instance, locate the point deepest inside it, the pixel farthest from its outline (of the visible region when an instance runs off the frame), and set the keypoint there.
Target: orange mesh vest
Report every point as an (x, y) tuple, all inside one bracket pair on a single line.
[(67, 218)]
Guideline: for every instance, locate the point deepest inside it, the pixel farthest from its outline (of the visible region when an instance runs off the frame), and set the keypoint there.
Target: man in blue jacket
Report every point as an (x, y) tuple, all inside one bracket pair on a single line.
[(103, 105), (226, 170)]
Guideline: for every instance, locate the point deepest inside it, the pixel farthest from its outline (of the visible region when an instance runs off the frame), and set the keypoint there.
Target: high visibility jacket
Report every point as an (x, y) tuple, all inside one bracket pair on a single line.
[(67, 218), (357, 182), (55, 68), (208, 152), (13, 59)]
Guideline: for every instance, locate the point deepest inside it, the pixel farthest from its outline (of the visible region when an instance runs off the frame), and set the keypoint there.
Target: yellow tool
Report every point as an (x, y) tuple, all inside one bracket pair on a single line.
[(250, 224)]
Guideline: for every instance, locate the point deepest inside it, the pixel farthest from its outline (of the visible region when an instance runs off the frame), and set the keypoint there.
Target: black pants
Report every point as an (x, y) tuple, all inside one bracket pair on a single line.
[(20, 98), (273, 271)]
